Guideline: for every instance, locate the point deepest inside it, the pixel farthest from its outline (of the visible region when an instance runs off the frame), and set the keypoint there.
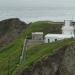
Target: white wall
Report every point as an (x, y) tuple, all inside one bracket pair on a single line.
[(67, 29), (68, 22), (48, 39)]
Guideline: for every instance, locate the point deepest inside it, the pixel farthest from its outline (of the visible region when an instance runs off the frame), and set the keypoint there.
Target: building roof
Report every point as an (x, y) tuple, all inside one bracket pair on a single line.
[(58, 36), (37, 32)]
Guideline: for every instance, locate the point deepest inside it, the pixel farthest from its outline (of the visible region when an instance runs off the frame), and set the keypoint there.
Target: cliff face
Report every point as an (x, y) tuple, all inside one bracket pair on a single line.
[(60, 63), (9, 29), (68, 63)]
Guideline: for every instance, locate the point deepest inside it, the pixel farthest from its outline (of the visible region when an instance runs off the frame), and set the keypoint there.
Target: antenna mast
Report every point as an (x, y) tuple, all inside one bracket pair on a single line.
[(74, 31)]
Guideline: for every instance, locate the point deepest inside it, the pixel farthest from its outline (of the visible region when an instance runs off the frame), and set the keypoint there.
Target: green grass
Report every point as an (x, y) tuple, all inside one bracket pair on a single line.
[(38, 52), (44, 26), (9, 55)]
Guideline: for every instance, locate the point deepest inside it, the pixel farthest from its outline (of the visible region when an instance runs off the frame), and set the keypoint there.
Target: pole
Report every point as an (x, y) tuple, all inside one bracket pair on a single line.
[(74, 31)]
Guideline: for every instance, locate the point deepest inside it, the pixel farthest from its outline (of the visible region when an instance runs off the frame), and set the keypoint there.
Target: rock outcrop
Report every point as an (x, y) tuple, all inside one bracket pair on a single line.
[(10, 29), (67, 66), (60, 63)]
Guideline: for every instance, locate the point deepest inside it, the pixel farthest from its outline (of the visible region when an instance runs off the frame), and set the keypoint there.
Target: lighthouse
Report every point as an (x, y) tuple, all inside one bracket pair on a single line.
[(68, 29)]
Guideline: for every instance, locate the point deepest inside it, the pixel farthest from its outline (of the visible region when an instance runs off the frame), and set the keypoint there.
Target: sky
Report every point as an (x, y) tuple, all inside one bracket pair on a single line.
[(60, 7), (36, 3)]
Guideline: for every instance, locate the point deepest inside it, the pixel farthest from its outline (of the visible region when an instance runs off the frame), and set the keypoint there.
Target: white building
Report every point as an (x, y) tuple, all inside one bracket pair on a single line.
[(67, 32)]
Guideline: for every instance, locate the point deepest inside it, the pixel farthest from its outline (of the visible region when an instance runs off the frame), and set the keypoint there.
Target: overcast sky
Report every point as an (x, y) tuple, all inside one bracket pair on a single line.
[(7, 7), (36, 3)]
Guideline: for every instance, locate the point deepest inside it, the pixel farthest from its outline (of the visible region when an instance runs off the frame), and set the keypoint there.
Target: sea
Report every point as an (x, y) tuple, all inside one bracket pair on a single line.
[(32, 14)]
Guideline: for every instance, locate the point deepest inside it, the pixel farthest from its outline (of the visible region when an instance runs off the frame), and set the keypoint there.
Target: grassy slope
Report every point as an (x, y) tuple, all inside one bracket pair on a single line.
[(9, 56), (38, 52), (42, 26)]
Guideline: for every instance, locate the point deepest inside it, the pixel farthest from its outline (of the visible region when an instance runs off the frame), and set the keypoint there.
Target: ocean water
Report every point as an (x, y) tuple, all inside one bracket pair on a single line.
[(31, 14)]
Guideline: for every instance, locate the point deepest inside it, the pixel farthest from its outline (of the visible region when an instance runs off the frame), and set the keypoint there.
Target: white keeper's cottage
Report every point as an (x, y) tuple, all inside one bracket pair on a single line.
[(67, 32)]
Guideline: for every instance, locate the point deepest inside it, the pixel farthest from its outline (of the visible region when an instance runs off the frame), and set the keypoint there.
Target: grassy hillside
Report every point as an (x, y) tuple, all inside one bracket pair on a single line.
[(9, 55), (38, 52), (44, 26)]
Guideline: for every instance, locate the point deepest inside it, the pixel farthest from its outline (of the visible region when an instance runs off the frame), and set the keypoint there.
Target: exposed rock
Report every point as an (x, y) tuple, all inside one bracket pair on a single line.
[(68, 63), (9, 29)]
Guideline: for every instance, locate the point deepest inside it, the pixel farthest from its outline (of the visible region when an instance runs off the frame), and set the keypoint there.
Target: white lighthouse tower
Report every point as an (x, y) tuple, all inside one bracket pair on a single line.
[(68, 29)]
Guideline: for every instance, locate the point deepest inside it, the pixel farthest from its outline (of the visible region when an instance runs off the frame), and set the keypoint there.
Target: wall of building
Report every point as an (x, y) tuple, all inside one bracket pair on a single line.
[(37, 36), (49, 39), (68, 28)]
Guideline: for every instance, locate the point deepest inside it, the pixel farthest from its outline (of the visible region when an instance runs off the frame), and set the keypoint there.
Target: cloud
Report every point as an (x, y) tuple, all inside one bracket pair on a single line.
[(33, 3)]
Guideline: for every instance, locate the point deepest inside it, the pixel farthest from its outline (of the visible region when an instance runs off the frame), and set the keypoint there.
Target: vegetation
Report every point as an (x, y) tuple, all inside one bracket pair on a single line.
[(9, 55), (10, 29), (44, 26), (36, 53)]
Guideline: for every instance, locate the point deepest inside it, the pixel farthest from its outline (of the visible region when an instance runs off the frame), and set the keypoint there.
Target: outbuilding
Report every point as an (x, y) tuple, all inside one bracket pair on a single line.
[(37, 36)]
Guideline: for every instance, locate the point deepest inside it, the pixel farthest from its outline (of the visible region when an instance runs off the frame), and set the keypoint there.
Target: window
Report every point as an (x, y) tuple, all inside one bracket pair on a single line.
[(55, 39), (48, 40)]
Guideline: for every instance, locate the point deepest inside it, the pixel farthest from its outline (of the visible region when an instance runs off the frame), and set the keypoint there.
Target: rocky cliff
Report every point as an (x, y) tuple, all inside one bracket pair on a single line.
[(9, 29), (60, 63)]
